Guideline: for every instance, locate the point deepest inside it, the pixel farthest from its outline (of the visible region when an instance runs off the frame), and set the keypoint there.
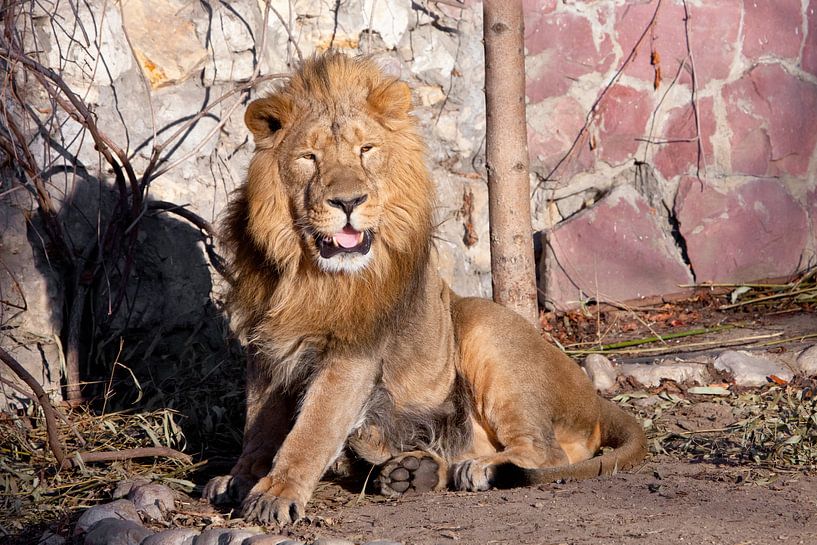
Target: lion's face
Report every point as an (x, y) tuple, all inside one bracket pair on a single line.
[(331, 168), (325, 163)]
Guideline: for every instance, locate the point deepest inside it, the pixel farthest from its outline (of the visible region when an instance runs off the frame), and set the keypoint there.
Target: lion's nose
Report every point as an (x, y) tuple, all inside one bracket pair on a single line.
[(348, 205)]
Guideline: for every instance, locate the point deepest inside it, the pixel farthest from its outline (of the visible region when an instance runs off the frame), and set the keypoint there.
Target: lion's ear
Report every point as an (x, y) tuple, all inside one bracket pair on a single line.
[(266, 116), (391, 100)]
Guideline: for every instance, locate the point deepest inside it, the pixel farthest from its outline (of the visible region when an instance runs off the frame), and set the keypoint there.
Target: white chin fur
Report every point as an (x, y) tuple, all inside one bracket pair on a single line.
[(345, 263)]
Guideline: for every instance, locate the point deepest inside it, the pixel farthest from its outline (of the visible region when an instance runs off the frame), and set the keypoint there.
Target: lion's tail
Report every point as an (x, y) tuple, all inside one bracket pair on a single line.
[(620, 431)]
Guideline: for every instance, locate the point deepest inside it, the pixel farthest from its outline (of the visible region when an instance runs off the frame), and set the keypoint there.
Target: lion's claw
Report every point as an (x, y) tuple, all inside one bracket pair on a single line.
[(473, 475), (266, 509), (226, 489)]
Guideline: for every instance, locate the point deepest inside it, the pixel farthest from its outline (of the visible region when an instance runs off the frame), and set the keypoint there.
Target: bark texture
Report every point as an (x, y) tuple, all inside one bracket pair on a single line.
[(512, 265)]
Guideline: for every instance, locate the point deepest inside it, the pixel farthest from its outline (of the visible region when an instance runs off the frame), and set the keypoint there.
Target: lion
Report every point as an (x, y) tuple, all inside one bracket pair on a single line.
[(356, 345)]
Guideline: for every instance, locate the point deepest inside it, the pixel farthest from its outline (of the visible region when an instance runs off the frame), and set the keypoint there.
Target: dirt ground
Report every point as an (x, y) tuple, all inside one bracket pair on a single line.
[(665, 501)]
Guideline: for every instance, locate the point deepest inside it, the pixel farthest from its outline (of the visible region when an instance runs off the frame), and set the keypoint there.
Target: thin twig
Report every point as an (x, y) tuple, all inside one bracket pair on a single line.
[(665, 337), (690, 347), (128, 454), (693, 75), (288, 30)]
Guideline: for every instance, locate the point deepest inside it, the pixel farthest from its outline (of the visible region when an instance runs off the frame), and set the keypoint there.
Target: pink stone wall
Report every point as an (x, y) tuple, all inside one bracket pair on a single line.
[(705, 113)]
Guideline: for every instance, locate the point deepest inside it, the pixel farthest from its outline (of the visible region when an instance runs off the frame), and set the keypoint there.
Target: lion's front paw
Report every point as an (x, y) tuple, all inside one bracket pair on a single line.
[(265, 508), (411, 472), (227, 489), (473, 475)]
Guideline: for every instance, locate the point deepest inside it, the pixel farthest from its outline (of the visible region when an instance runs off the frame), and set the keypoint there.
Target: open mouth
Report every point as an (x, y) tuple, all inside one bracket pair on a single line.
[(347, 241)]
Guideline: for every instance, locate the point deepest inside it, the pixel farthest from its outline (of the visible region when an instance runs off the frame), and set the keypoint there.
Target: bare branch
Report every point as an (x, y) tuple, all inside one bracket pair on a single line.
[(42, 397)]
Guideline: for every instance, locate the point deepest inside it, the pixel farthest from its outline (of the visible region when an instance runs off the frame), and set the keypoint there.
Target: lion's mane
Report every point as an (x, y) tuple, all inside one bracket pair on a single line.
[(279, 298)]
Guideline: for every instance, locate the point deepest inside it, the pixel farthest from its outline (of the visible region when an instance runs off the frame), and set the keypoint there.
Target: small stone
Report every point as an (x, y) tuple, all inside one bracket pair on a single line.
[(601, 372), (651, 375), (807, 361), (119, 510), (268, 540), (111, 531), (176, 536), (646, 402), (154, 500), (331, 541), (224, 536), (124, 488), (750, 370)]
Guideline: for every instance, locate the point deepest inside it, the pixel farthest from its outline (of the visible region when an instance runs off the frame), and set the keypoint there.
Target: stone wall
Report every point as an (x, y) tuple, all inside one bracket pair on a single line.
[(628, 200), (675, 143)]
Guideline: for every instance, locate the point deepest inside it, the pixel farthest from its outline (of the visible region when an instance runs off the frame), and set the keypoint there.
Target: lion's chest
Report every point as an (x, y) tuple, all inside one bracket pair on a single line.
[(290, 361)]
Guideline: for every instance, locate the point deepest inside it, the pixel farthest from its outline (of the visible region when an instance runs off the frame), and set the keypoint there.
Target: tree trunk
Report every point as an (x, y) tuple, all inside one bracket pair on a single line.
[(512, 267)]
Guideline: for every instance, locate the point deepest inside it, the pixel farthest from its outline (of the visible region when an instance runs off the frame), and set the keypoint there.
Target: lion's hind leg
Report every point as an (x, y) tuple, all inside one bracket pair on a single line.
[(414, 471)]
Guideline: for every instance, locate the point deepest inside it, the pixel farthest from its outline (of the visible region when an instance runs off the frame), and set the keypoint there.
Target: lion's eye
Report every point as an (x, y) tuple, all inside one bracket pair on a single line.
[(309, 156), (366, 148)]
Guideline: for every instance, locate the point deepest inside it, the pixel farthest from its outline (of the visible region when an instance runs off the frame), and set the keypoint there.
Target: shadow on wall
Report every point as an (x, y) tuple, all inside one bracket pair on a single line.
[(159, 338)]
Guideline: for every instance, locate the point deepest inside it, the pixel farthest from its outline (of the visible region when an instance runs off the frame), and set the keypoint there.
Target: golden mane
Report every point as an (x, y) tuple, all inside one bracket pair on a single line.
[(278, 290)]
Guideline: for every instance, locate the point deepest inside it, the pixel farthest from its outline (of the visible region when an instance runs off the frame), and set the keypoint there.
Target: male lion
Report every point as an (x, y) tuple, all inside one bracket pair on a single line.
[(355, 342)]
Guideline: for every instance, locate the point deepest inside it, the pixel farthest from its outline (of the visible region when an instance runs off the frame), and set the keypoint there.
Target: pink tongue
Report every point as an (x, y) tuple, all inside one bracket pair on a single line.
[(348, 237)]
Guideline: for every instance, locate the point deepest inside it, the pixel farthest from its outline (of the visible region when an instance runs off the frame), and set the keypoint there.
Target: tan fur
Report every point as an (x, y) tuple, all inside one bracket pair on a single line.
[(375, 355)]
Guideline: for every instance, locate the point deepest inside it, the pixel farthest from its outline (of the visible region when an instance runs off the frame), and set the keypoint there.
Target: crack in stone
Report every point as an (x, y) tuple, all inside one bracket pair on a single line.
[(680, 241)]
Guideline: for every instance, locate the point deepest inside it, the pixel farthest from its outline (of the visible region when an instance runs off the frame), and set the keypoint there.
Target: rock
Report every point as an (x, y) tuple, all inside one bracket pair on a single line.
[(616, 250), (124, 488), (389, 19), (118, 510), (623, 120), (26, 282), (164, 61), (681, 122), (269, 540), (560, 44), (754, 230), (154, 500), (763, 35), (601, 372), (750, 370), (176, 536), (331, 541), (646, 402), (224, 536), (807, 361), (116, 532), (651, 374), (770, 137), (50, 538)]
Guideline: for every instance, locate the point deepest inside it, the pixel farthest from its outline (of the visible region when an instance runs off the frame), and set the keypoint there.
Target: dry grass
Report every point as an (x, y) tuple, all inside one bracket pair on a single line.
[(771, 428), (33, 490)]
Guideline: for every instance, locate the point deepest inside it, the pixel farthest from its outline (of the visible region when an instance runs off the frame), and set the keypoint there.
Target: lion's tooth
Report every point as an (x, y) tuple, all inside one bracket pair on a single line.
[(360, 237), (334, 242)]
